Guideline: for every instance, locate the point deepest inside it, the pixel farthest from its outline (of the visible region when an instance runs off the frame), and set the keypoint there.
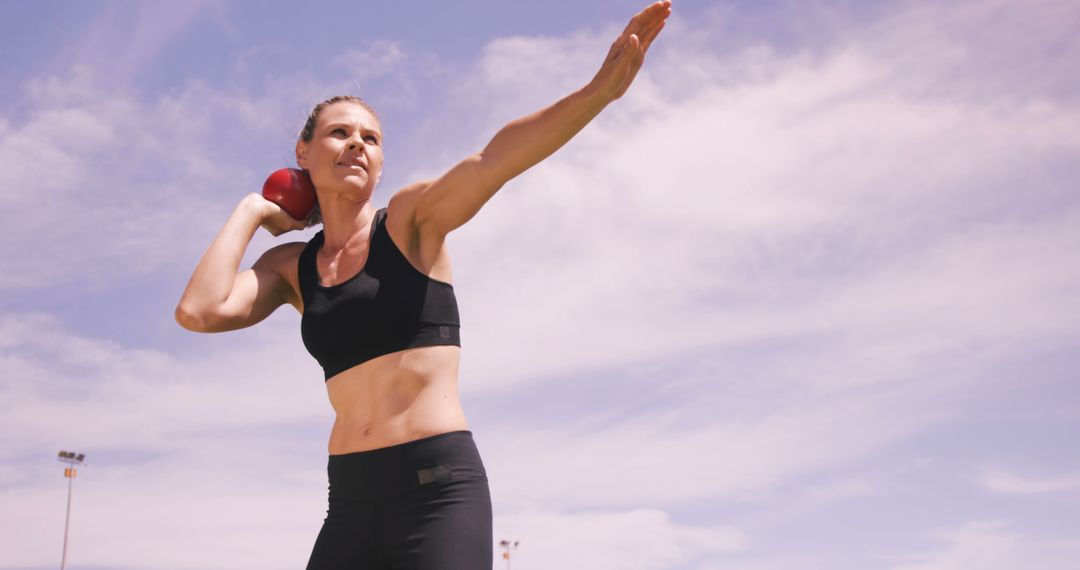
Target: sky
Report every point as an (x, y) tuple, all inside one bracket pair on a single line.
[(806, 297)]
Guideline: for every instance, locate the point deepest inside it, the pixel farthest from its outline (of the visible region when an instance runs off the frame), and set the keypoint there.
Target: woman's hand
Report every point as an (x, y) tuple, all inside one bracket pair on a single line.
[(276, 220), (628, 51)]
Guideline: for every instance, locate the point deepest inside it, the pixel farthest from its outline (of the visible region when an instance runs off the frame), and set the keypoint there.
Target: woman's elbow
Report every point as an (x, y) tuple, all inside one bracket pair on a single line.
[(190, 319)]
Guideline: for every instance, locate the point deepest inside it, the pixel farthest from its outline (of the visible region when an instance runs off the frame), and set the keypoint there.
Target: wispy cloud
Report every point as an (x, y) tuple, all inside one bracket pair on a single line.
[(749, 279), (638, 539), (1011, 483), (791, 202), (993, 545), (381, 57), (131, 37), (97, 171)]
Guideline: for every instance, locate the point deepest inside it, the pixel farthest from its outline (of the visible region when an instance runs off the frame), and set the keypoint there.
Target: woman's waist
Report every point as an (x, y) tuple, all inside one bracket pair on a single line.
[(366, 430), (365, 425), (394, 381), (392, 470), (398, 398), (411, 367)]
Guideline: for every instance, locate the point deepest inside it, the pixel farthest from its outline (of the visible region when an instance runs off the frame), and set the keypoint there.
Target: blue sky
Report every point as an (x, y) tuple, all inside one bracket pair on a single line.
[(806, 297)]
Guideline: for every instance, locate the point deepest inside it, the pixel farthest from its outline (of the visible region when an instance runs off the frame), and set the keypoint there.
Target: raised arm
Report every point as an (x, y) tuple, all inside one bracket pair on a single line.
[(218, 298), (454, 198)]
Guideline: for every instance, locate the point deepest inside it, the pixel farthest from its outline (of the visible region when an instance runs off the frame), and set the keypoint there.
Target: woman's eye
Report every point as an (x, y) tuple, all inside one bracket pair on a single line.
[(372, 139), (337, 131)]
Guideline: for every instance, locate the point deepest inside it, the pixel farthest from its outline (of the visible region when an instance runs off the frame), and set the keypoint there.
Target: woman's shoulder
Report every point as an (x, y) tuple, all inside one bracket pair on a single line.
[(427, 255), (283, 260), (401, 210), (285, 250), (403, 202)]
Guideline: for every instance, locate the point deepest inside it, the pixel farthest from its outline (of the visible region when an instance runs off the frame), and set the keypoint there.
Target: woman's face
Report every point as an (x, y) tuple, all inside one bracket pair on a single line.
[(345, 150)]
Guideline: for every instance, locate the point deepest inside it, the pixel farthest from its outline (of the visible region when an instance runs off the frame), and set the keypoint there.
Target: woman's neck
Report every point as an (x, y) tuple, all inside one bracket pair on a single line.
[(346, 221)]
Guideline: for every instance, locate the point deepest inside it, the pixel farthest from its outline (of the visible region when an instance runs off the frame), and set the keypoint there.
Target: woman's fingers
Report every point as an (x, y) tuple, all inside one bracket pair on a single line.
[(627, 53), (645, 18), (647, 41), (648, 23)]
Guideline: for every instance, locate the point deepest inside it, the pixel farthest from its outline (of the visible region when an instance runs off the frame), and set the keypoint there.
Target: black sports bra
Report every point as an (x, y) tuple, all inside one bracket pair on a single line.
[(388, 306)]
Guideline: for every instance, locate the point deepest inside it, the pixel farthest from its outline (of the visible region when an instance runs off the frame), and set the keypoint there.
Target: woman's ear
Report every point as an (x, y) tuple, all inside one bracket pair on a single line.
[(301, 154)]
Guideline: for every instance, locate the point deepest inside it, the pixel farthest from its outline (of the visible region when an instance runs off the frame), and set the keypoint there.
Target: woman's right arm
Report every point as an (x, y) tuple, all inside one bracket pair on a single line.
[(218, 297)]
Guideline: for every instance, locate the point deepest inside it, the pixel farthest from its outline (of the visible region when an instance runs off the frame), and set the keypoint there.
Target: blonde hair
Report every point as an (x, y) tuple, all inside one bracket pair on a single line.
[(309, 127)]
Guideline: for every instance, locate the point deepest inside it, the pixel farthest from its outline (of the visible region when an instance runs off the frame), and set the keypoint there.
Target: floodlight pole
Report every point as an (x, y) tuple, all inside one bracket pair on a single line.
[(71, 479), (71, 459)]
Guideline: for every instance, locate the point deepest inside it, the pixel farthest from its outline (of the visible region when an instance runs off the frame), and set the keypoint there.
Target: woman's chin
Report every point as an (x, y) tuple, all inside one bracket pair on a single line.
[(350, 184)]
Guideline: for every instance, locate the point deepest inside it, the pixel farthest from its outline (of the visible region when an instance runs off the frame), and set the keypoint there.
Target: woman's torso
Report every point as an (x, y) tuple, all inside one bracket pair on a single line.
[(401, 396)]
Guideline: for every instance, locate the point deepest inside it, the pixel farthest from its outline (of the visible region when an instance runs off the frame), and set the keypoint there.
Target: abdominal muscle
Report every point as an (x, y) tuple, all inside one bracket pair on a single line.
[(396, 398)]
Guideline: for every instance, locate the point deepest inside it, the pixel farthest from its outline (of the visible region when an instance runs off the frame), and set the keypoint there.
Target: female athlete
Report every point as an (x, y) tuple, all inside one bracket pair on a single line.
[(407, 487)]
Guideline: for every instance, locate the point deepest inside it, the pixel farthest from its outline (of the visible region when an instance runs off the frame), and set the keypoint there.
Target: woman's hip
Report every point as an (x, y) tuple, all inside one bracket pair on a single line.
[(387, 472)]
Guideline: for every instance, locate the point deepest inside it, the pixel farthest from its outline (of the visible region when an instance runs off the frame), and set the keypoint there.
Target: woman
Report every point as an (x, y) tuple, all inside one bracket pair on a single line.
[(407, 486)]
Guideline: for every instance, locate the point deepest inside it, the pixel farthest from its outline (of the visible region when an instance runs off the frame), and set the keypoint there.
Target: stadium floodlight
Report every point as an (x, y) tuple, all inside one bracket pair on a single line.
[(507, 544), (72, 459)]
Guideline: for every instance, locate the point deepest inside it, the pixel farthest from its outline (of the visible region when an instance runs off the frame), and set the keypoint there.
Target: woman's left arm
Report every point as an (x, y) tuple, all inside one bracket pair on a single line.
[(455, 197)]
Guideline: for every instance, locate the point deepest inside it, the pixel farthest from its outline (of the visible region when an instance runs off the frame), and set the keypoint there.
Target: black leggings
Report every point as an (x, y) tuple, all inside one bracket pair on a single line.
[(420, 505)]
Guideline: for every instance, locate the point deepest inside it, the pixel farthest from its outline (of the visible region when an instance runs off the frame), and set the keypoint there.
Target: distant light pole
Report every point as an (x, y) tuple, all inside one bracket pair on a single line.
[(506, 544), (73, 459)]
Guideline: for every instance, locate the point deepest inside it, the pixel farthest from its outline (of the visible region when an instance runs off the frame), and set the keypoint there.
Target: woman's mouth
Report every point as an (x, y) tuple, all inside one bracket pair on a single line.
[(353, 166)]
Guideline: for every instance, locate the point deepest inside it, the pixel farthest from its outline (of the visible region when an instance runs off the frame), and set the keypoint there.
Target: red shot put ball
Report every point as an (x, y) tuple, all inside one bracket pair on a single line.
[(291, 189)]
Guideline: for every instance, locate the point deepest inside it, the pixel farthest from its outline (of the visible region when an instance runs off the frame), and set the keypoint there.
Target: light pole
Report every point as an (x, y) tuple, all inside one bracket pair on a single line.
[(73, 459), (506, 544)]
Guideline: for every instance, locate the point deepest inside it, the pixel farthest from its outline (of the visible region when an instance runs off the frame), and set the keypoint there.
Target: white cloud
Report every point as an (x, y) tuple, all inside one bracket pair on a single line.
[(1011, 483), (65, 387), (181, 450), (387, 71), (380, 57), (167, 514), (843, 489), (683, 453), (854, 233), (992, 545), (130, 39), (788, 202), (635, 539), (106, 185)]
